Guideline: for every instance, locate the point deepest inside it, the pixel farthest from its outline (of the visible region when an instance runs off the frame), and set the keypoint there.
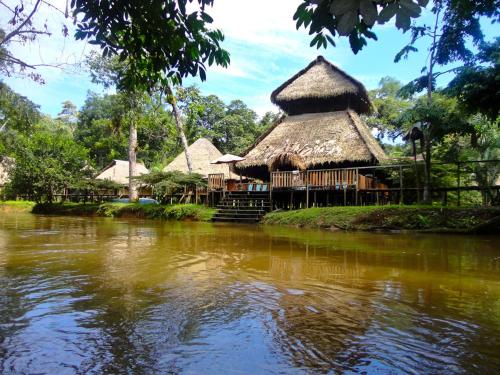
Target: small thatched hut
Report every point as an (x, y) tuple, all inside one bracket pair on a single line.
[(323, 128), (118, 172), (202, 153)]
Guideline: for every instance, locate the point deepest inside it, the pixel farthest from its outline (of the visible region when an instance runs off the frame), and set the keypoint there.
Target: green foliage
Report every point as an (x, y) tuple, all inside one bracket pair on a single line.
[(440, 117), (17, 113), (478, 87), (356, 20), (232, 128), (103, 128), (167, 183), (388, 108), (157, 40), (385, 218), (155, 211), (46, 163)]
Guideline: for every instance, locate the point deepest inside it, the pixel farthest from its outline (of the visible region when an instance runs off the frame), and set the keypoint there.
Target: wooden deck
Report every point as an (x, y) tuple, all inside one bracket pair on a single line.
[(334, 179)]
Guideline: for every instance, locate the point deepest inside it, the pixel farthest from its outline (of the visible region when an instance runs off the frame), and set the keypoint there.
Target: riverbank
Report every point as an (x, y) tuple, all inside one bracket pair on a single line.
[(16, 206), (392, 218), (188, 212), (367, 218)]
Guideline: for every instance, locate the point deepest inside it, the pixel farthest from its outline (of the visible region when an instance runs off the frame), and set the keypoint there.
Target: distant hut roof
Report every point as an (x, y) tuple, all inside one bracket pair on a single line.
[(118, 171), (321, 87), (315, 138), (5, 164), (202, 153)]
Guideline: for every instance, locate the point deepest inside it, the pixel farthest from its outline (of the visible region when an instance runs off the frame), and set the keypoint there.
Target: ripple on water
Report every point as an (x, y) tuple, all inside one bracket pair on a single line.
[(95, 296)]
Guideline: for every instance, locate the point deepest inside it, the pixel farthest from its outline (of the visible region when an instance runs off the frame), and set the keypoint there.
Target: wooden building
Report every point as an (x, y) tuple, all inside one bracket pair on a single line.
[(320, 143)]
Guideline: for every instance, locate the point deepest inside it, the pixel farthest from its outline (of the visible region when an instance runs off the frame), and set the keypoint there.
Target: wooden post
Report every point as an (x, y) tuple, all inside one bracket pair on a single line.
[(307, 189), (344, 186), (458, 183), (401, 185), (357, 186)]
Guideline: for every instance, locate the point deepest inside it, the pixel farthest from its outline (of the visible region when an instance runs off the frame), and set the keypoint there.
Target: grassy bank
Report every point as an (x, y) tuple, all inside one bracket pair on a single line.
[(16, 206), (371, 218), (149, 211)]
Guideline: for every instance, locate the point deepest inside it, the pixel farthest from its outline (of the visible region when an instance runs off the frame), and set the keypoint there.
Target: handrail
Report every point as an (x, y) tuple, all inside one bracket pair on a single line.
[(339, 178), (216, 181)]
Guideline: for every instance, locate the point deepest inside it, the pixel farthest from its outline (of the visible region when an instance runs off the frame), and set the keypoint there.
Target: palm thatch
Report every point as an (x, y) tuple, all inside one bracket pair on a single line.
[(6, 164), (313, 139), (321, 87), (118, 172), (202, 153), (288, 159)]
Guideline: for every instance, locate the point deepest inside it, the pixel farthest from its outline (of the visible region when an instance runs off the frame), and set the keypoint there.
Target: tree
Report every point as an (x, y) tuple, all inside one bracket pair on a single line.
[(389, 107), (157, 40), (101, 128), (478, 87), (16, 111), (357, 20), (47, 162), (68, 115), (21, 29)]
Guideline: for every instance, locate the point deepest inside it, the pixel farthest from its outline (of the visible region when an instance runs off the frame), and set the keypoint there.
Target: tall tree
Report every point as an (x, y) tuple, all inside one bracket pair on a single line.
[(158, 43)]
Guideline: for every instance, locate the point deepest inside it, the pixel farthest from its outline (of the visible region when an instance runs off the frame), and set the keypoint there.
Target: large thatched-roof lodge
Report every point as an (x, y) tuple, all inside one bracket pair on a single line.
[(322, 128), (202, 153)]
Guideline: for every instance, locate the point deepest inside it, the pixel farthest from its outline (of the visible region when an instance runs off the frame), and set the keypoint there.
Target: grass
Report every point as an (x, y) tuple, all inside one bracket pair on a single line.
[(428, 218), (150, 211), (16, 206)]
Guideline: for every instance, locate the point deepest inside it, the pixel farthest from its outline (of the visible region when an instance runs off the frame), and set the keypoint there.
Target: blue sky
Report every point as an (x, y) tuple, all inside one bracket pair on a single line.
[(265, 49)]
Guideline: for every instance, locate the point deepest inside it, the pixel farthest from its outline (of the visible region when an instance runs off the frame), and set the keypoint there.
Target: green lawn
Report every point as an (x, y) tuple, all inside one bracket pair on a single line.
[(385, 217)]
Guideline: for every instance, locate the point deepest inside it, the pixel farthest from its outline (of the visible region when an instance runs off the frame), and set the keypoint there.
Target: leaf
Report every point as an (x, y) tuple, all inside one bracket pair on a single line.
[(404, 53), (387, 13), (423, 3), (347, 23), (403, 21), (368, 11), (410, 8), (340, 7), (315, 40)]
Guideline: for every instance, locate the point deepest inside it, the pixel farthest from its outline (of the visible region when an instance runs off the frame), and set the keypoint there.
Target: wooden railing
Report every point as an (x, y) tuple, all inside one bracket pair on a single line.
[(216, 181), (332, 177), (288, 179), (337, 178)]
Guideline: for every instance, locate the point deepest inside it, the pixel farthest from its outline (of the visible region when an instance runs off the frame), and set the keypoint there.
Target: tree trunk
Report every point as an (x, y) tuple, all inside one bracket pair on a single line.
[(178, 123), (133, 194), (427, 133), (426, 199)]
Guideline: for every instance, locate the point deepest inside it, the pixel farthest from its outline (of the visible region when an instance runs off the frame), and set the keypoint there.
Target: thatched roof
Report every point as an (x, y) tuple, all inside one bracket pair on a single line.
[(5, 164), (117, 171), (202, 153), (315, 138), (321, 87)]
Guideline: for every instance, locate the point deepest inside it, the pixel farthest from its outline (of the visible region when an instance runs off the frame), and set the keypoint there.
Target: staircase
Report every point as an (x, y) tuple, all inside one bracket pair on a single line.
[(243, 207)]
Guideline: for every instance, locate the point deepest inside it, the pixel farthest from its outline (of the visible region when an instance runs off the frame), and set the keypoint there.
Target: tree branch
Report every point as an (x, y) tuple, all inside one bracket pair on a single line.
[(16, 31)]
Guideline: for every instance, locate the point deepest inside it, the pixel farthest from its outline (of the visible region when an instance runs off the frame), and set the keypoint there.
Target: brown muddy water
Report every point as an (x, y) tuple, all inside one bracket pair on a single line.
[(113, 296)]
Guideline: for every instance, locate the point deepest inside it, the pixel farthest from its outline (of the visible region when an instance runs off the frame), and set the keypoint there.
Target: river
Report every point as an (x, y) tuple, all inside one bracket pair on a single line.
[(120, 296)]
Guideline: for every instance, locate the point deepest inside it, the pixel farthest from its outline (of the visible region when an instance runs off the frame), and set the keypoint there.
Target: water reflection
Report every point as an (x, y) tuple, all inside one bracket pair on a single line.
[(123, 296)]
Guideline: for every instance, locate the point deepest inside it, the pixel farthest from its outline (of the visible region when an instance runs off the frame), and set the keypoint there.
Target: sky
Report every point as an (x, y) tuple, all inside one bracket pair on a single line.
[(265, 48)]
